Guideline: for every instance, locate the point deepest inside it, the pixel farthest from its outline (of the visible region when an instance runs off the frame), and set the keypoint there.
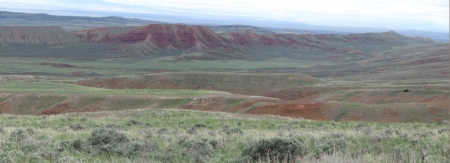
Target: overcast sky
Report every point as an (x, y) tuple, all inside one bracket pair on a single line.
[(430, 15)]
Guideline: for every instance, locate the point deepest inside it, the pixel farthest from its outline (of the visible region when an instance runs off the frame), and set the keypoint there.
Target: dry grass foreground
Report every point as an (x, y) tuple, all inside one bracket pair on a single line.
[(152, 135)]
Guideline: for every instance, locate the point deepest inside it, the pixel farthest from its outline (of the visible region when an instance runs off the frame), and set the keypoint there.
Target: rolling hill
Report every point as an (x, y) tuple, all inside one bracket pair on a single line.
[(67, 22), (50, 35)]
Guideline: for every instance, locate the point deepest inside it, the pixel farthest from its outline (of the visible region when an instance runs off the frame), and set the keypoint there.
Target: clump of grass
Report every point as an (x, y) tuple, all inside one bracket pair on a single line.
[(274, 150)]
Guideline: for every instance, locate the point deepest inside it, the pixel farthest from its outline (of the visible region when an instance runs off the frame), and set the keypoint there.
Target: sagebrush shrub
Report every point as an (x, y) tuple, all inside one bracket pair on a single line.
[(18, 135), (113, 126), (200, 125), (444, 122), (333, 146), (76, 127), (133, 122), (192, 131), (212, 133), (274, 150), (150, 146), (398, 155), (148, 134), (214, 143), (50, 155), (110, 141), (182, 140), (69, 118), (230, 131), (198, 150), (28, 148), (106, 136), (388, 132), (360, 125), (163, 131), (440, 131), (77, 144), (30, 131), (338, 135)]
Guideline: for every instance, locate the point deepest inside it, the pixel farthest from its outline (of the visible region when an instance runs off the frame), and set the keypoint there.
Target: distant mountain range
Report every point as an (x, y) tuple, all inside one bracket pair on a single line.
[(84, 22), (157, 40), (67, 22)]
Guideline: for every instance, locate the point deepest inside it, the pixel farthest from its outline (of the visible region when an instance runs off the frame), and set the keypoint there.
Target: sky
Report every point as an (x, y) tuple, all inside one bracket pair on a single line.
[(427, 15)]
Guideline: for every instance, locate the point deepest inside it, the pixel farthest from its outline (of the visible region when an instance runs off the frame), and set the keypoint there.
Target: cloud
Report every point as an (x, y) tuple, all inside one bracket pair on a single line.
[(367, 12)]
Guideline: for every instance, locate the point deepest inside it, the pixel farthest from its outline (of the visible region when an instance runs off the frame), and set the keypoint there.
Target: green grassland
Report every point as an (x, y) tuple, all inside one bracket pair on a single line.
[(193, 136), (59, 88), (221, 80), (120, 67)]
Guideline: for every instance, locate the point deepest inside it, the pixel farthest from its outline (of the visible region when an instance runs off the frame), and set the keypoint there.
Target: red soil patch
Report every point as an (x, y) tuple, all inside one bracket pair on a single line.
[(78, 73), (6, 107), (295, 110), (58, 109)]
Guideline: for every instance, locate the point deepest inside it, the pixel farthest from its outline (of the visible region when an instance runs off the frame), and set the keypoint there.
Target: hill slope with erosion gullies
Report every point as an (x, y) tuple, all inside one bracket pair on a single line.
[(316, 47), (155, 38), (177, 40)]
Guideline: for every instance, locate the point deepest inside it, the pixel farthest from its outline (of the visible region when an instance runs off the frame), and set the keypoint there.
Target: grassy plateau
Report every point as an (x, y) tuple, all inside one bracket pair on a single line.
[(154, 135)]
